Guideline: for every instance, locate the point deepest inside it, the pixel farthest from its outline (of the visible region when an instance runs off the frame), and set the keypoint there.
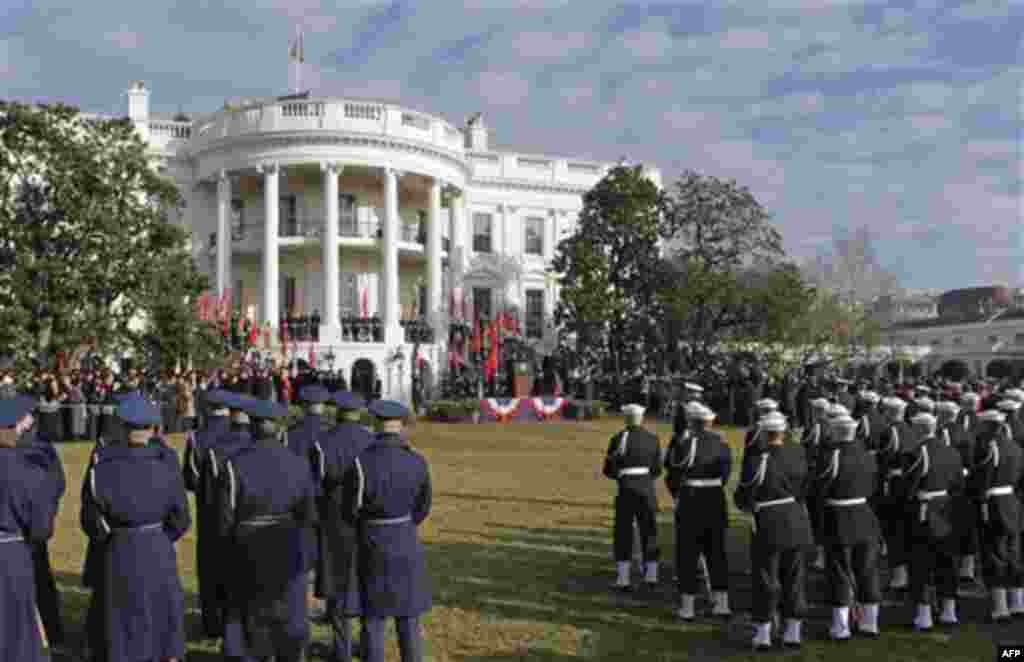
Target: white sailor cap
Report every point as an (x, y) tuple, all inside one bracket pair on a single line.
[(836, 411), (926, 404), (992, 416), (766, 403), (1008, 405), (870, 396), (922, 388), (773, 422), (690, 386), (1016, 394), (947, 407), (700, 413), (924, 418), (633, 410), (894, 404), (843, 421), (820, 403), (970, 396)]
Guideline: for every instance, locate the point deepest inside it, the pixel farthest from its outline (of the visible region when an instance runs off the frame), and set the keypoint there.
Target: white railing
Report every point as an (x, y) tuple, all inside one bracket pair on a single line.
[(173, 130)]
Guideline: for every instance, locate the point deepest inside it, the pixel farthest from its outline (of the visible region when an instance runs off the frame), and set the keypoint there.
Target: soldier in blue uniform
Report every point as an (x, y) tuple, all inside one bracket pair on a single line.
[(27, 511), (336, 579), (301, 440), (134, 505), (266, 501), (844, 479), (634, 462), (42, 454), (997, 469), (698, 465), (197, 448), (389, 494), (933, 475), (890, 502), (772, 487)]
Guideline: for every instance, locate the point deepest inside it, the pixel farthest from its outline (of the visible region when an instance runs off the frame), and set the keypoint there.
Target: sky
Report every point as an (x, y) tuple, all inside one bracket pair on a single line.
[(902, 115)]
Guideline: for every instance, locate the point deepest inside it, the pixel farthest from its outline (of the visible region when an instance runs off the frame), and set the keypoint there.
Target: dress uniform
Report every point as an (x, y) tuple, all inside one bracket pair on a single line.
[(266, 501), (134, 506), (869, 419), (197, 448), (890, 502), (844, 480), (634, 462), (698, 465), (691, 392), (933, 475), (967, 421), (997, 469), (336, 578), (43, 455), (389, 490), (772, 488), (812, 433), (301, 440), (27, 511)]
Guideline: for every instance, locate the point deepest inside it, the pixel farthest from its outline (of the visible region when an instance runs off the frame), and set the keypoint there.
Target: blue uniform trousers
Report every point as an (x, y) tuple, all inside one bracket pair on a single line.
[(410, 645), (341, 626)]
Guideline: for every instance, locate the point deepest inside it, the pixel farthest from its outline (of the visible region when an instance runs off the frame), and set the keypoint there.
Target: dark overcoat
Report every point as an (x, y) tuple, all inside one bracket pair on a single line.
[(702, 456), (847, 471), (775, 473), (265, 502), (134, 505), (933, 466), (390, 481), (998, 462), (333, 457), (302, 439), (26, 511)]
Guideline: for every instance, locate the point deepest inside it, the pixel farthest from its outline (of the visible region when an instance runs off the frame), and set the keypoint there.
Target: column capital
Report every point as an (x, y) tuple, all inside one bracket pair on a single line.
[(332, 167), (223, 176), (268, 168), (394, 172), (509, 209)]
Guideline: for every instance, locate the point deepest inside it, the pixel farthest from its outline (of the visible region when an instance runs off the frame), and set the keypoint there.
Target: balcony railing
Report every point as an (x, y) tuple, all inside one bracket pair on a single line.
[(417, 331), (362, 329), (312, 227)]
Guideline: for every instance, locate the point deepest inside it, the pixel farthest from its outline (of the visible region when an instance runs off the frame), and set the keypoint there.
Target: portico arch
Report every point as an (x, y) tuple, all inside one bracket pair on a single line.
[(999, 369), (954, 369), (364, 376)]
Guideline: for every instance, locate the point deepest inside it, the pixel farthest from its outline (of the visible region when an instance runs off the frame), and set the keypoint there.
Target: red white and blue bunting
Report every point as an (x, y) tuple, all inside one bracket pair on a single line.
[(502, 408), (547, 408)]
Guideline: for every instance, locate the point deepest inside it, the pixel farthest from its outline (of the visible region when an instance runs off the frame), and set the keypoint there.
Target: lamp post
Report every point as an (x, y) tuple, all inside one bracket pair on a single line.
[(330, 356), (398, 359)]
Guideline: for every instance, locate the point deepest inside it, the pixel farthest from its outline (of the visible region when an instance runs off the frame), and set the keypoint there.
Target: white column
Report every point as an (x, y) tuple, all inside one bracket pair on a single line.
[(458, 233), (271, 261), (389, 301), (330, 328), (434, 252), (223, 233)]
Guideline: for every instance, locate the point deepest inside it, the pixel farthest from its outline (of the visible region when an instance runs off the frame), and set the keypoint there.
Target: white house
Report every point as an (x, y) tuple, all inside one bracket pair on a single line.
[(358, 208)]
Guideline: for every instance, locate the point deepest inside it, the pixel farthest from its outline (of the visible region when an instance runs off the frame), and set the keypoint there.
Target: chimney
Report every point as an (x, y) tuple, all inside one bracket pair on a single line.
[(138, 107), (476, 133)]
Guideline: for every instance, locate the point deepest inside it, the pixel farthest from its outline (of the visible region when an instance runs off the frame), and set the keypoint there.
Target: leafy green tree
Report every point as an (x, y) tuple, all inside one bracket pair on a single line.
[(86, 248), (726, 280), (608, 266)]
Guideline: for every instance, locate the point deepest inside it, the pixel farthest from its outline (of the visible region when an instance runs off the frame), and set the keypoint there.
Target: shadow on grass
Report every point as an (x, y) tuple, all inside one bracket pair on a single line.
[(505, 499)]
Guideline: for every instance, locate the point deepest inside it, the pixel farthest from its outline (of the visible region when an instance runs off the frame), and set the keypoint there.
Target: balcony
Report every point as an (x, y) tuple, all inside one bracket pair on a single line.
[(417, 331)]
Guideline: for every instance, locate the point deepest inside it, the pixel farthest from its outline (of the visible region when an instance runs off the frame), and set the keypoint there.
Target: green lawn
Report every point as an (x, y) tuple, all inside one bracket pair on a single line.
[(519, 546)]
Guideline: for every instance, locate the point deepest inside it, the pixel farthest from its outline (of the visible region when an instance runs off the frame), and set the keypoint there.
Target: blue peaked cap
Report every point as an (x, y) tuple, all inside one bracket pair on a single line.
[(314, 394), (348, 400), (388, 409), (265, 409), (216, 397), (14, 409), (137, 411)]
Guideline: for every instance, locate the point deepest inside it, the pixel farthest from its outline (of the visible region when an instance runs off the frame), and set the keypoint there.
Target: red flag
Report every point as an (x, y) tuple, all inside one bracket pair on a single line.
[(241, 327), (284, 339), (253, 334), (491, 367), (477, 343), (312, 356), (365, 304)]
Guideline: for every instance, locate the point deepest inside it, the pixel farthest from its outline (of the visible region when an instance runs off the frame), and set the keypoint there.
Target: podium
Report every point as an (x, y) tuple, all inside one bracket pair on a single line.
[(521, 380)]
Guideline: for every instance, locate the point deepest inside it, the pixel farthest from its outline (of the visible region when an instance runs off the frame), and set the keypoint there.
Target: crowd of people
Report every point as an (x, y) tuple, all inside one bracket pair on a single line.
[(929, 477), (325, 509)]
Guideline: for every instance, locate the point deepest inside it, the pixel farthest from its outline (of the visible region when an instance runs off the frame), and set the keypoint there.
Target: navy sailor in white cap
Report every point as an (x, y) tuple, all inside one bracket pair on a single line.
[(933, 475), (634, 462)]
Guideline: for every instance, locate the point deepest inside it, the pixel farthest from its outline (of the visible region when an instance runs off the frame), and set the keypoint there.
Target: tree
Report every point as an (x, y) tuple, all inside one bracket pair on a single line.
[(607, 268), (725, 279), (852, 269), (85, 241)]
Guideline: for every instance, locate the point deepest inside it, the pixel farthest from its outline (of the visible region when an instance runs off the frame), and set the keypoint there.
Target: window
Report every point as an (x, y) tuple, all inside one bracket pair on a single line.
[(288, 216), (993, 340), (936, 343), (347, 215), (237, 219), (482, 233), (482, 303), (959, 340), (288, 296), (348, 299), (1018, 339), (421, 297), (534, 243), (534, 313)]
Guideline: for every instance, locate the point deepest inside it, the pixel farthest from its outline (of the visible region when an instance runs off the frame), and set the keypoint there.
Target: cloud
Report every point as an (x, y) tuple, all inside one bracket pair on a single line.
[(502, 88), (548, 45), (929, 125), (646, 43), (124, 39), (746, 39)]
